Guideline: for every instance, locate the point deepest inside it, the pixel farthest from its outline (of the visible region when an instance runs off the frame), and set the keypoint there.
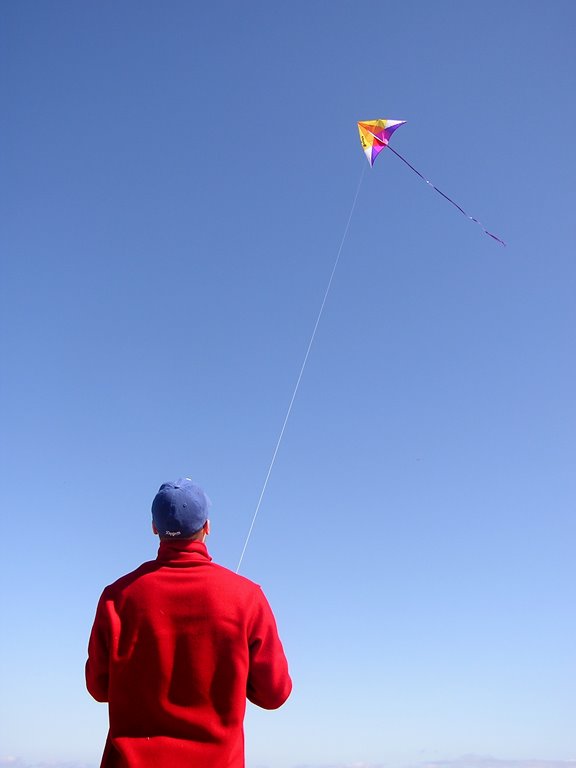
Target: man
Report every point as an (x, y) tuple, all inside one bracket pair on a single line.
[(178, 645)]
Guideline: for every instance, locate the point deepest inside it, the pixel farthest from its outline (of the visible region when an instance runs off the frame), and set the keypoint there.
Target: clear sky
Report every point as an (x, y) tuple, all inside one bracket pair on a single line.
[(175, 181)]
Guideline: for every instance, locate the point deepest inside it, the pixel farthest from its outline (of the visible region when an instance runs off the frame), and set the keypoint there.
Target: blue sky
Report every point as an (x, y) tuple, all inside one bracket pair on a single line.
[(176, 182)]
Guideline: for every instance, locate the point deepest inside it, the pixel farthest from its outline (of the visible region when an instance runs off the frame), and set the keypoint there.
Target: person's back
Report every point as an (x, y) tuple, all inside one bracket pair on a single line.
[(176, 648)]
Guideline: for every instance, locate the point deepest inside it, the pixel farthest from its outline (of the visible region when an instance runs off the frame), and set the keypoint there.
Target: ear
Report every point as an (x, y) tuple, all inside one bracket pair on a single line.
[(154, 529), (206, 528)]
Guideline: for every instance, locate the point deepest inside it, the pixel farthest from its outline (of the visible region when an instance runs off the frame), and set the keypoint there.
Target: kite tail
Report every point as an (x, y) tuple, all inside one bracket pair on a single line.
[(435, 188), (303, 366)]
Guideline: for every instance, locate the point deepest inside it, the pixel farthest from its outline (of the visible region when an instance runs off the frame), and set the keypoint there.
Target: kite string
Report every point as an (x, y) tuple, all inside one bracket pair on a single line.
[(435, 188), (303, 366)]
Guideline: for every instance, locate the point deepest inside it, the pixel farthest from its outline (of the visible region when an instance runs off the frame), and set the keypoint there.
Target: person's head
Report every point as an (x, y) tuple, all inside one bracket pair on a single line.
[(180, 511)]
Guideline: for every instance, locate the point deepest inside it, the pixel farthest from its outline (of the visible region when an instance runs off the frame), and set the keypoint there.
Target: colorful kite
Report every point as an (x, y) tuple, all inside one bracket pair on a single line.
[(375, 136)]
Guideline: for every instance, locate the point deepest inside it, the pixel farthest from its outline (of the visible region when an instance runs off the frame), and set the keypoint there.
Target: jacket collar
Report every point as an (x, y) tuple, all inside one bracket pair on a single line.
[(182, 552)]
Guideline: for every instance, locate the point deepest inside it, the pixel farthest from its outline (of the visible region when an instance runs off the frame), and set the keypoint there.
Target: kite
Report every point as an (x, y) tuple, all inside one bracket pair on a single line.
[(375, 136)]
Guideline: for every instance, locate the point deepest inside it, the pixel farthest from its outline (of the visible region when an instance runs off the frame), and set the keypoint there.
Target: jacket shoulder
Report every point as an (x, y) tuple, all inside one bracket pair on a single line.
[(128, 578), (234, 581)]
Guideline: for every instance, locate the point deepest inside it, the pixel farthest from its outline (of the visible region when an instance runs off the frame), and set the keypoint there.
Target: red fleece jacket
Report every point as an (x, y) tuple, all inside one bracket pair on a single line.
[(176, 648)]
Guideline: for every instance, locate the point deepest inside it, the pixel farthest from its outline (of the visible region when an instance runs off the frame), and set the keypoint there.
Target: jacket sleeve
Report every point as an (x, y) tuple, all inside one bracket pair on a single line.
[(269, 683), (97, 666)]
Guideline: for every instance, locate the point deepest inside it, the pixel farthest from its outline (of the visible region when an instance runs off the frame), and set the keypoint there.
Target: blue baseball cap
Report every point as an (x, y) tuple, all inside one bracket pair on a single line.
[(180, 509)]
